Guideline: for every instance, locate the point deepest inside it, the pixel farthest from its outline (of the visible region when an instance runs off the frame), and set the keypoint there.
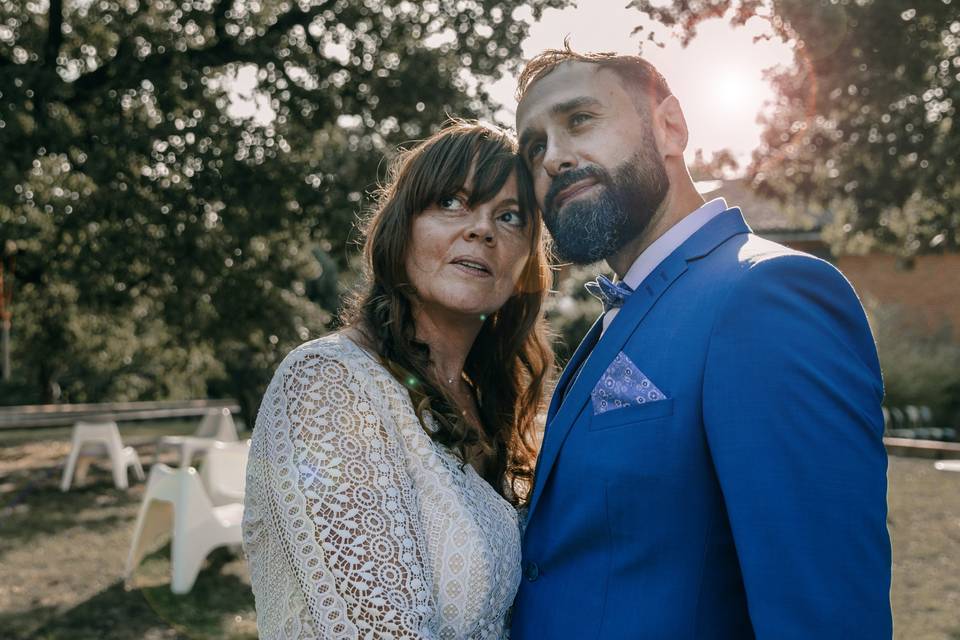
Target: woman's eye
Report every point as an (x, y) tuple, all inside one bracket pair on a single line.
[(513, 218), (451, 203)]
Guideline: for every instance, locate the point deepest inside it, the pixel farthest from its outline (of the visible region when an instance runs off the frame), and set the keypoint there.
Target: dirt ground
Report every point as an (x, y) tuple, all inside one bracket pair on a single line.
[(62, 557)]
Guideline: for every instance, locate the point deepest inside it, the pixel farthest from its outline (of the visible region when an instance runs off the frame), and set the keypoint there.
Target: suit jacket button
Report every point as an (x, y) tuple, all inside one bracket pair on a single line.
[(532, 571)]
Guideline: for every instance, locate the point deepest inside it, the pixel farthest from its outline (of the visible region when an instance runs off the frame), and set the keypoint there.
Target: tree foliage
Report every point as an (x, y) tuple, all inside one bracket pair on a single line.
[(168, 244), (863, 121)]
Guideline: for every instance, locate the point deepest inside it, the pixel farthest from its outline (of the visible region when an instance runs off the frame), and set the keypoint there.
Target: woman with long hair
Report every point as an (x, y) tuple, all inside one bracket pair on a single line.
[(390, 457)]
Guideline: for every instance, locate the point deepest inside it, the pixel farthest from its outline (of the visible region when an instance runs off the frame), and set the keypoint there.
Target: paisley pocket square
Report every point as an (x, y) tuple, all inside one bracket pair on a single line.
[(623, 385)]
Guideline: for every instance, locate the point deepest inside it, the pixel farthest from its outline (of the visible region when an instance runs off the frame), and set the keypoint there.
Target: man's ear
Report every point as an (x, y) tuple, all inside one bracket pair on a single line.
[(670, 127)]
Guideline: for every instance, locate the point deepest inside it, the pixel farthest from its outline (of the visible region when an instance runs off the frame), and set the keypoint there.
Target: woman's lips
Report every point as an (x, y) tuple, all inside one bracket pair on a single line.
[(473, 267), (472, 271)]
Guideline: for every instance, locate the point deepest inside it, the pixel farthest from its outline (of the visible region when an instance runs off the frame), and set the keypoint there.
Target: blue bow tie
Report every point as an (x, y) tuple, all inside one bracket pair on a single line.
[(612, 295)]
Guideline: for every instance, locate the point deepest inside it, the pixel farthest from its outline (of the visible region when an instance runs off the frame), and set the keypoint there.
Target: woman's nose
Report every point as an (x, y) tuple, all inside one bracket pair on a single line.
[(481, 228)]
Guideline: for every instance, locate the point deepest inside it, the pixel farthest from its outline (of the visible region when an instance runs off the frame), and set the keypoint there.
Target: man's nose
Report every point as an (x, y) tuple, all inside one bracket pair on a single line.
[(558, 158)]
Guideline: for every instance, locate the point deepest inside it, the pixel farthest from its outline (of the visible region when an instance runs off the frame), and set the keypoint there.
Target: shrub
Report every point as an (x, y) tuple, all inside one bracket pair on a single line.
[(571, 310), (919, 367)]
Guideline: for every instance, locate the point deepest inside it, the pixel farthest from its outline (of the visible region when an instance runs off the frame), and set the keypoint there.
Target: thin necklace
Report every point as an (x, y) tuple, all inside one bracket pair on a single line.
[(449, 380)]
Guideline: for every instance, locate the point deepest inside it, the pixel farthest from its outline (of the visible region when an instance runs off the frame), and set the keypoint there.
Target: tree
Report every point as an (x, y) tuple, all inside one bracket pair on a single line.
[(162, 239), (721, 165), (863, 121)]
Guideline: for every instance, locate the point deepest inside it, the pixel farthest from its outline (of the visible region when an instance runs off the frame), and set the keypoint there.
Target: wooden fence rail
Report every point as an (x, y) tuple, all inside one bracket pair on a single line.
[(57, 415), (922, 448)]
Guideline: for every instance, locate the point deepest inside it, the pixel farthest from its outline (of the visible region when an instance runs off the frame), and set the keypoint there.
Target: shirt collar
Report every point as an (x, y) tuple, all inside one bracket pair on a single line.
[(675, 236)]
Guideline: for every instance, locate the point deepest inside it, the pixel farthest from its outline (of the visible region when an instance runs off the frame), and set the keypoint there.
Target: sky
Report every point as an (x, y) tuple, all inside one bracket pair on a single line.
[(718, 77)]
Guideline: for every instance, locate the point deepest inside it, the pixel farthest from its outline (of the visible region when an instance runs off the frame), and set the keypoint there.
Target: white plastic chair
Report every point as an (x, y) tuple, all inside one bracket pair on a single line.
[(175, 503), (100, 439), (217, 425), (224, 472), (913, 416)]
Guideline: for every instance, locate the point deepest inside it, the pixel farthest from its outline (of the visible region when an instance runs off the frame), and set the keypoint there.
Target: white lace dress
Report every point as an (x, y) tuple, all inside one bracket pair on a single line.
[(356, 524)]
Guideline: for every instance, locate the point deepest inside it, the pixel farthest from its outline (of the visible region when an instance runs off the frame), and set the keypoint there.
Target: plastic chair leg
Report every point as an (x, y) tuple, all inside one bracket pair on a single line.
[(186, 558), (152, 529), (69, 468), (186, 455), (137, 467), (119, 474)]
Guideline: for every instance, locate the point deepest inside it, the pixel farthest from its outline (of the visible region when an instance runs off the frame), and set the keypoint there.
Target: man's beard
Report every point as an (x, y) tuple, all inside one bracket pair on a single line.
[(591, 229)]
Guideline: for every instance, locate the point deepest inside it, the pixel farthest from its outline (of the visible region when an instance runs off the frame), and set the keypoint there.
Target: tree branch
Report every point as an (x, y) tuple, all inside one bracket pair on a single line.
[(220, 12), (220, 53), (54, 34)]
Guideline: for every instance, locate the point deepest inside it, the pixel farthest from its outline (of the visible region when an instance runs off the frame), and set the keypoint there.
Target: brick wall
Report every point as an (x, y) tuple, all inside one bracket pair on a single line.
[(928, 293)]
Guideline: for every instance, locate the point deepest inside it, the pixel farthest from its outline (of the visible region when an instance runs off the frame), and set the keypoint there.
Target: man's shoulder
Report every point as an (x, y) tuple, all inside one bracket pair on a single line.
[(755, 249), (755, 273), (750, 255), (748, 268)]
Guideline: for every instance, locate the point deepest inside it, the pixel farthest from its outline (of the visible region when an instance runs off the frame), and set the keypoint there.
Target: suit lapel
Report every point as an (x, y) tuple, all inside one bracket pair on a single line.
[(566, 408), (573, 365)]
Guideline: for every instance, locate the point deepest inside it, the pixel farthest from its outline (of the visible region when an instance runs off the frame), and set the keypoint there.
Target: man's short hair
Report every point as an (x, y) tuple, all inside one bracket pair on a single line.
[(637, 74)]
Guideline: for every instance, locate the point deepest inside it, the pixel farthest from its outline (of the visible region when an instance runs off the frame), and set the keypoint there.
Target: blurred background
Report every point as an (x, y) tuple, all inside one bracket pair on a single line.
[(180, 182)]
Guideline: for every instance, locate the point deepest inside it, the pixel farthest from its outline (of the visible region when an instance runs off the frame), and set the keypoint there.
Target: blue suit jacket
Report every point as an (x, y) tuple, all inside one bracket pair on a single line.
[(749, 503)]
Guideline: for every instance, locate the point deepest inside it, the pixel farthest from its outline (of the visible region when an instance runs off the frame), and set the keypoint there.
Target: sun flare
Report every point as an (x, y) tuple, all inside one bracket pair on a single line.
[(736, 89)]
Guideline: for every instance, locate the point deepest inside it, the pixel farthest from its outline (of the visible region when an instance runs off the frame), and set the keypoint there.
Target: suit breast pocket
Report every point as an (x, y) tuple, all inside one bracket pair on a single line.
[(632, 445), (642, 416)]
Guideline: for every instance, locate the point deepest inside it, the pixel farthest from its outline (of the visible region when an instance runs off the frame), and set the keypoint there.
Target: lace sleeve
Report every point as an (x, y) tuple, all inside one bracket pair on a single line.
[(338, 500)]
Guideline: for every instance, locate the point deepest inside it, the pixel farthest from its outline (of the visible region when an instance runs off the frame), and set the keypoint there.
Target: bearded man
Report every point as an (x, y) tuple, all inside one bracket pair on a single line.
[(713, 464)]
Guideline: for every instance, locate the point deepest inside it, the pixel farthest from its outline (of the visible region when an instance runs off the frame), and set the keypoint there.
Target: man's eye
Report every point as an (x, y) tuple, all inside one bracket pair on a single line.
[(513, 218), (535, 150), (451, 203), (579, 118)]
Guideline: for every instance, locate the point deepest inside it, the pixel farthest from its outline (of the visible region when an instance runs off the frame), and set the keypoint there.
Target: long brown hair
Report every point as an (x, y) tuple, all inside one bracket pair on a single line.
[(511, 358)]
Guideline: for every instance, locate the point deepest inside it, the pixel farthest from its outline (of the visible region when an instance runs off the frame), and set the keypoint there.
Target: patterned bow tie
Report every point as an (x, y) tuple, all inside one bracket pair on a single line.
[(612, 295)]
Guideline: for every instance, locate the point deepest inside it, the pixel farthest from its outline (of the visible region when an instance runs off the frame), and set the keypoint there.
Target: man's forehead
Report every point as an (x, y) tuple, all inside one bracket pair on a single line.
[(569, 80)]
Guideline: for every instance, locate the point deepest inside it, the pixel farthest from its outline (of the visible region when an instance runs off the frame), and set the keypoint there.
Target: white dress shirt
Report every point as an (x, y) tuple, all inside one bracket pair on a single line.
[(666, 244)]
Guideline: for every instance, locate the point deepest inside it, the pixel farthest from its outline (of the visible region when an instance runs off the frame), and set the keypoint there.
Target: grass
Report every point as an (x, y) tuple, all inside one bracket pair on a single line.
[(62, 554)]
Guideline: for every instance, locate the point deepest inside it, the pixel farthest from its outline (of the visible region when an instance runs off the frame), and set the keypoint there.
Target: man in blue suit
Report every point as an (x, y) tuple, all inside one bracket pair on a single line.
[(712, 465)]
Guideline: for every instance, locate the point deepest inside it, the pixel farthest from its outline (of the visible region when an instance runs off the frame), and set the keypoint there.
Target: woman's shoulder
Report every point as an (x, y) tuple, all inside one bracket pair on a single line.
[(332, 347), (339, 347)]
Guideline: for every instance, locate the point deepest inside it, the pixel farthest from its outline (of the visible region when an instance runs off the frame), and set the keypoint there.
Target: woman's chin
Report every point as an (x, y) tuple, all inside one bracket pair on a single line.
[(478, 312), (478, 309), (465, 303)]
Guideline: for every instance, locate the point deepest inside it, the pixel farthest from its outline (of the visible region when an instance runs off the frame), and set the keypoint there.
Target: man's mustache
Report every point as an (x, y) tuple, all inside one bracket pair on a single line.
[(568, 178)]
